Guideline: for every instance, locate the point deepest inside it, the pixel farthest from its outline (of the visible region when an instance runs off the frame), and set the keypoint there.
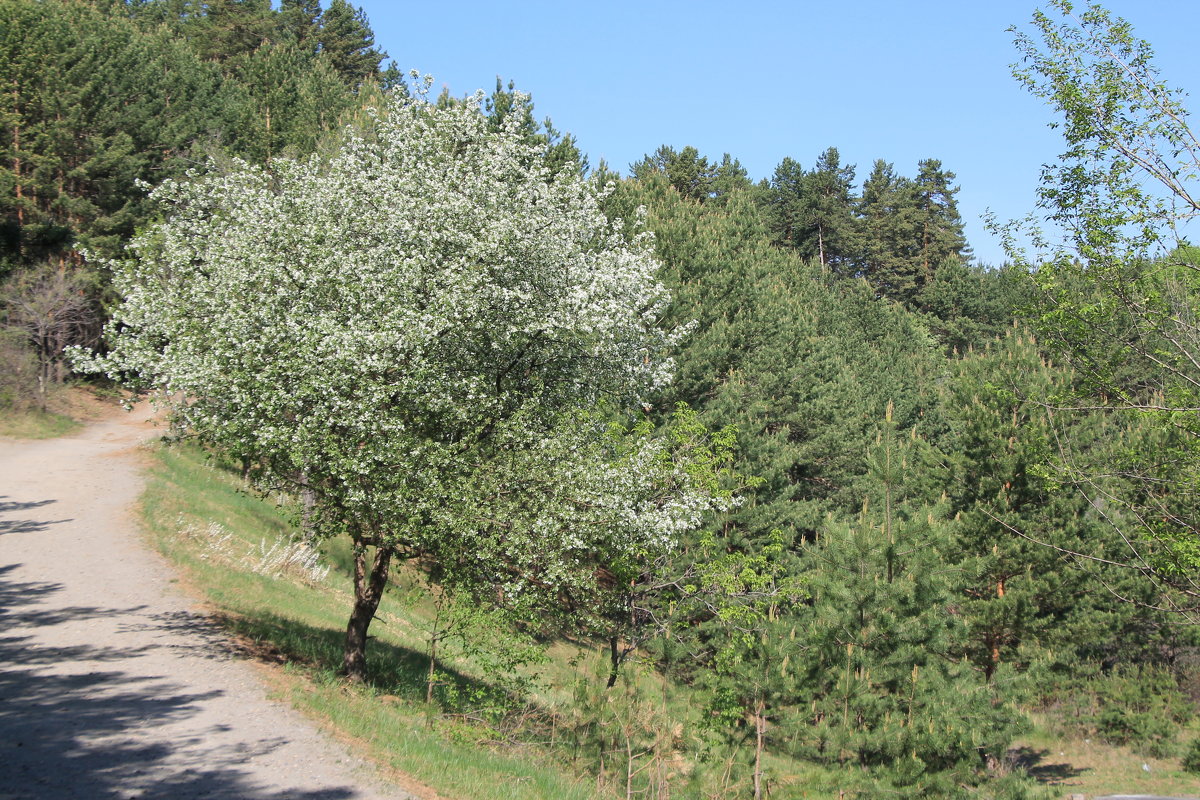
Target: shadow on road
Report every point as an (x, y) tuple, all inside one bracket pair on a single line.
[(8, 506), (90, 734)]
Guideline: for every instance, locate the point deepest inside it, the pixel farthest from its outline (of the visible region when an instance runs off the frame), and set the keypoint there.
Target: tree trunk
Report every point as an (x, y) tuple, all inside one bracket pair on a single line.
[(432, 676), (991, 668), (368, 591), (308, 502), (614, 655), (760, 735)]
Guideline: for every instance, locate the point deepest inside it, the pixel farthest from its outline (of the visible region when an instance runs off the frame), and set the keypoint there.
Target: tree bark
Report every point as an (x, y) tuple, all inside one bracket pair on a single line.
[(368, 591), (308, 501), (760, 735), (614, 656)]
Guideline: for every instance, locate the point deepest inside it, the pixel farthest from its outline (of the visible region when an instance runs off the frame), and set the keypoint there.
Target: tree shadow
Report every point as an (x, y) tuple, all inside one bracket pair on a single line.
[(91, 733), (9, 506), (1031, 760), (392, 669)]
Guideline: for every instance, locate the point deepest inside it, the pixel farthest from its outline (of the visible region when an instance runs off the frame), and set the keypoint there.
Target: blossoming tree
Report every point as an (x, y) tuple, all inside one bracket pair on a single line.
[(431, 333)]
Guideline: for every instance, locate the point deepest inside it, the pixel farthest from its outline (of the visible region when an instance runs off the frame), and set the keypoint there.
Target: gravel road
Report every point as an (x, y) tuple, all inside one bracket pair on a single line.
[(111, 685)]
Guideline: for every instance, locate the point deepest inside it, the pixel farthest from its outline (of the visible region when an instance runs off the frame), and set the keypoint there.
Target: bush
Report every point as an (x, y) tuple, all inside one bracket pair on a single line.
[(1191, 759), (1139, 706), (18, 373)]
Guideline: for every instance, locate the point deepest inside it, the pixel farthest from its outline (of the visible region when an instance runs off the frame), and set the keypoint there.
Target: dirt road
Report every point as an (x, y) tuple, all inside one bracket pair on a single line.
[(110, 685)]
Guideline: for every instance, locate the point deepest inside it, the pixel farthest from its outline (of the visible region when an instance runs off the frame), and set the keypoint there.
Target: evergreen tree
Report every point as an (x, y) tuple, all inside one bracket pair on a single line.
[(692, 174), (229, 30), (346, 39), (909, 228), (941, 231), (969, 306), (300, 20), (887, 695), (890, 232), (94, 105), (783, 203), (1034, 564), (295, 97), (559, 150), (829, 213)]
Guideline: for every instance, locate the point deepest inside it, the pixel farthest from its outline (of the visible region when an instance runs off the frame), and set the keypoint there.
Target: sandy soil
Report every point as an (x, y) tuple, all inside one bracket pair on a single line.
[(111, 684)]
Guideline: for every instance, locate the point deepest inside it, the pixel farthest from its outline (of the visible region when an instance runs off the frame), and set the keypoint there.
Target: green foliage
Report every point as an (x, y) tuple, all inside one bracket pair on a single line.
[(693, 175), (887, 694), (1114, 293), (1191, 759), (345, 39), (103, 98), (1136, 705), (968, 306), (812, 212), (93, 106), (909, 227)]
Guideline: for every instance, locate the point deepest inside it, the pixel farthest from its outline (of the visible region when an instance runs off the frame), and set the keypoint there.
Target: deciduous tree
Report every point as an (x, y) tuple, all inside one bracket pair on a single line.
[(436, 332), (1116, 293)]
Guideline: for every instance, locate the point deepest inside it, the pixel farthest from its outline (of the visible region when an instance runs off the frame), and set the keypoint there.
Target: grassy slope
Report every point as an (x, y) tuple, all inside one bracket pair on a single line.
[(289, 622), (1092, 768), (285, 621)]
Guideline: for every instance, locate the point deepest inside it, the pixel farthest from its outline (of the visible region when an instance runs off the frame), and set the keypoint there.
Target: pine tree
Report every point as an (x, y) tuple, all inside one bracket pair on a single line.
[(886, 694), (783, 203), (828, 216), (559, 150), (300, 20), (890, 232), (346, 39), (909, 228), (229, 30), (692, 174), (1025, 598), (968, 306), (93, 105), (296, 98), (941, 232)]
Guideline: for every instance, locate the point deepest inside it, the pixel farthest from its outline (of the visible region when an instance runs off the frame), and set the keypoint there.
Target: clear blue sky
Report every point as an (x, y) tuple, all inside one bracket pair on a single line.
[(760, 80)]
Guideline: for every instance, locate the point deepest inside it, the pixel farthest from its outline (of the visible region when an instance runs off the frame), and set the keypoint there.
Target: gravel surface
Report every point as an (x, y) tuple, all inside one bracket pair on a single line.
[(111, 685)]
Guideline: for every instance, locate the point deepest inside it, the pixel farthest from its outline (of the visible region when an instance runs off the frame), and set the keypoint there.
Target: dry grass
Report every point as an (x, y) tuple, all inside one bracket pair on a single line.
[(67, 409)]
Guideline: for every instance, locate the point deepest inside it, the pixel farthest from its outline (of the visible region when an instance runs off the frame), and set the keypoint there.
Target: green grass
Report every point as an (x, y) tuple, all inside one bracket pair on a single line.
[(36, 424)]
